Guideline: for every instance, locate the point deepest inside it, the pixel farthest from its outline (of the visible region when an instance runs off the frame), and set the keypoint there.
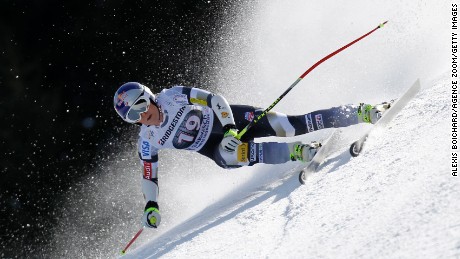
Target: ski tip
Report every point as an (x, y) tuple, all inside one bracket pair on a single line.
[(123, 252), (382, 24)]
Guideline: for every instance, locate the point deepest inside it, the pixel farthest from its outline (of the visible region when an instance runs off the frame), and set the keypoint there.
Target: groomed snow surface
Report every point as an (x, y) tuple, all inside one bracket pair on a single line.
[(396, 200)]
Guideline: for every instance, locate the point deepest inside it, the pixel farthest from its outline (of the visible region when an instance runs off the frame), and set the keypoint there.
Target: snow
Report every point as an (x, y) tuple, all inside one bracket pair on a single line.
[(396, 200)]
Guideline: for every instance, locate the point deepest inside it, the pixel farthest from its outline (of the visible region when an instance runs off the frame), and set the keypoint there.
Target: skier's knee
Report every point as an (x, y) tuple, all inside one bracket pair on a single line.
[(231, 160)]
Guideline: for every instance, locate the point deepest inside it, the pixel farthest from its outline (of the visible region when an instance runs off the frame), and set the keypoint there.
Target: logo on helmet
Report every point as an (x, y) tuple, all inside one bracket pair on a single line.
[(121, 98)]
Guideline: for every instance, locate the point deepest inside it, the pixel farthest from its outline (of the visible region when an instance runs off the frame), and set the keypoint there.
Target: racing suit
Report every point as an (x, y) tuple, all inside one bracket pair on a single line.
[(194, 119)]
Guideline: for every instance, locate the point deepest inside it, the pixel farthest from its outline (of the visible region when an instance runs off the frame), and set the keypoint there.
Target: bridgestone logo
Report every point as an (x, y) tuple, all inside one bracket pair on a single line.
[(172, 126)]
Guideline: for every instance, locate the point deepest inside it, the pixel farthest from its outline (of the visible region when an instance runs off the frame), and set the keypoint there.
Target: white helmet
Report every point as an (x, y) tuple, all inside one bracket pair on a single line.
[(131, 100)]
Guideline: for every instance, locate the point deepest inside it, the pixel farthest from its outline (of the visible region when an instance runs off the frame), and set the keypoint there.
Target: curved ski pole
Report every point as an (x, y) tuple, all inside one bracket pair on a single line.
[(132, 240), (243, 131)]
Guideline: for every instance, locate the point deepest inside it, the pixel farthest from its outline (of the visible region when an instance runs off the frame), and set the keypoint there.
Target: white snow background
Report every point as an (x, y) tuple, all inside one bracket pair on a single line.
[(397, 200)]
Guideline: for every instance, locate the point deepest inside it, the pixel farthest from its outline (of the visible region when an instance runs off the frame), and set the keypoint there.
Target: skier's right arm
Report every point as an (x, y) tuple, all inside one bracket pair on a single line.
[(151, 217)]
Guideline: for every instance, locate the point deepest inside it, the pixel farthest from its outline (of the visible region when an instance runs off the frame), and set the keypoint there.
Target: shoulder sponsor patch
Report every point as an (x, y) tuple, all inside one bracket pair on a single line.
[(199, 101), (180, 98)]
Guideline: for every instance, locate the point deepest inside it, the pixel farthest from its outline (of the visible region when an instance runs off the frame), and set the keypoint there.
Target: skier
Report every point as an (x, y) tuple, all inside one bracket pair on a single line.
[(197, 120)]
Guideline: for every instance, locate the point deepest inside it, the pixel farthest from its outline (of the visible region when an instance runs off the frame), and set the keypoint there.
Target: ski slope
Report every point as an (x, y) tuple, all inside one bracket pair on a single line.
[(396, 200)]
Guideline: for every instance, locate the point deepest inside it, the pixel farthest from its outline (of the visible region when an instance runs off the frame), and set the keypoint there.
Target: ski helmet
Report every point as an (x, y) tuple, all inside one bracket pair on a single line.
[(131, 100)]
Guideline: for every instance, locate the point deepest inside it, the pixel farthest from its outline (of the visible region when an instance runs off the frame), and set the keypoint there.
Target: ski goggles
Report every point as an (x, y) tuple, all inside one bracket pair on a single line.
[(140, 106)]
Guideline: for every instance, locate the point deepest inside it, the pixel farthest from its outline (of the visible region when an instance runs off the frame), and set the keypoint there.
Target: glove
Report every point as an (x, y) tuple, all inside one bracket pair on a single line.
[(230, 142), (151, 217)]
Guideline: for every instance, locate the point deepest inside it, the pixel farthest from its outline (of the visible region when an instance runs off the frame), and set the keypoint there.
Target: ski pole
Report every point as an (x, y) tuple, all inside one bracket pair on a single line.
[(242, 132), (132, 240)]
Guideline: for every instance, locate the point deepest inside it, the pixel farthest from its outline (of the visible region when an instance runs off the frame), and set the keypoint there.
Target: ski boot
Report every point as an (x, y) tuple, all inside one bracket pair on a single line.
[(372, 113), (303, 152)]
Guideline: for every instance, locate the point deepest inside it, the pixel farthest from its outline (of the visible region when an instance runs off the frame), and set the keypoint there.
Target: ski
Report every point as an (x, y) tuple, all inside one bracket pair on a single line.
[(334, 142), (328, 147), (395, 108)]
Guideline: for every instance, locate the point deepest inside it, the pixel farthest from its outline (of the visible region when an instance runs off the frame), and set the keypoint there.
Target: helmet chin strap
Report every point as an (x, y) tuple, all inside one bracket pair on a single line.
[(160, 112)]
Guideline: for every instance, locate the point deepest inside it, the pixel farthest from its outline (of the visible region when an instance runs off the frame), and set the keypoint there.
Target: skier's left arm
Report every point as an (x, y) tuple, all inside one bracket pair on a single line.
[(148, 157), (221, 109)]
